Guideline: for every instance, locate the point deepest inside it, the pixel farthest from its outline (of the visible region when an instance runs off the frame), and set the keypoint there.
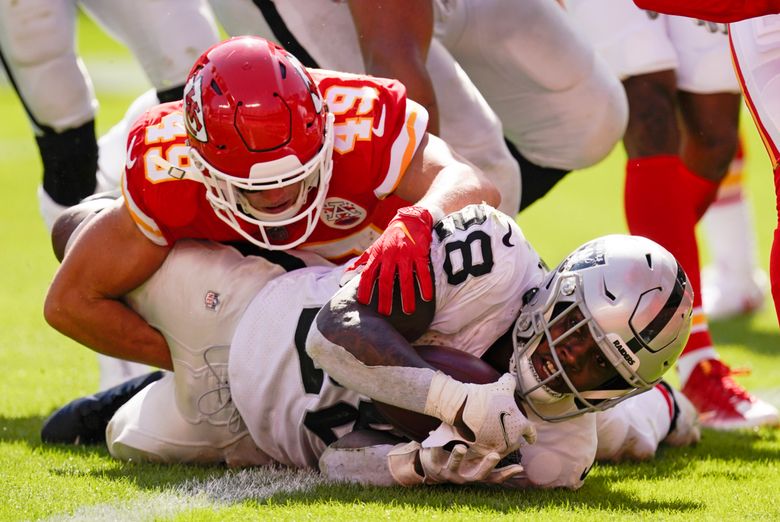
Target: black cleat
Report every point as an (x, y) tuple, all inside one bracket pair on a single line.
[(84, 420)]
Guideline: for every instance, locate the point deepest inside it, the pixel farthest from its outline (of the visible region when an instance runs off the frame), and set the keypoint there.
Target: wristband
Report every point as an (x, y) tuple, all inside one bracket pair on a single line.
[(445, 397)]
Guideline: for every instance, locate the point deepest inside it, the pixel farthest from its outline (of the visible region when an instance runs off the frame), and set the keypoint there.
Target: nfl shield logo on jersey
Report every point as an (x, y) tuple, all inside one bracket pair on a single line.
[(340, 213), (211, 300)]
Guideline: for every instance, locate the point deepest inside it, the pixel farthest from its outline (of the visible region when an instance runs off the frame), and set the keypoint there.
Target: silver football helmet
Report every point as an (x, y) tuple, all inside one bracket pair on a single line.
[(636, 301)]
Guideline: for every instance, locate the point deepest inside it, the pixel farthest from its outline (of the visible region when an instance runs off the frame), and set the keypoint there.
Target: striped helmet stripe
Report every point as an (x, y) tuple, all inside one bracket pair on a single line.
[(659, 322)]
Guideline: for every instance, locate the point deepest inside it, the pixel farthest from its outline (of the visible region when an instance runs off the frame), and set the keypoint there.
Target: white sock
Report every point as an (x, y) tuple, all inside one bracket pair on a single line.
[(50, 209)]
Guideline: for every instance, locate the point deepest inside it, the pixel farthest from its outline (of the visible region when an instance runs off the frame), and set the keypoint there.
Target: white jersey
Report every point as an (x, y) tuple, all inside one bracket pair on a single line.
[(292, 409), (237, 334), (563, 454), (635, 41), (483, 265), (629, 432), (195, 300)]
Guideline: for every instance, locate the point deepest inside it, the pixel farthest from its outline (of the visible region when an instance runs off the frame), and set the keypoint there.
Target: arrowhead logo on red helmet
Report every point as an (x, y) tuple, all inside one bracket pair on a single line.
[(193, 109)]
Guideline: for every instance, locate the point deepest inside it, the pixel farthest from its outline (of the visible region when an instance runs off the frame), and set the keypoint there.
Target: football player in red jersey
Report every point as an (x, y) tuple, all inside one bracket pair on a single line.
[(262, 151), (754, 34), (480, 66), (755, 41)]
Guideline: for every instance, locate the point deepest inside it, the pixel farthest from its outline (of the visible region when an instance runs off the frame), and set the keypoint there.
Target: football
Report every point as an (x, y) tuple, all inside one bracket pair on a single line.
[(455, 363)]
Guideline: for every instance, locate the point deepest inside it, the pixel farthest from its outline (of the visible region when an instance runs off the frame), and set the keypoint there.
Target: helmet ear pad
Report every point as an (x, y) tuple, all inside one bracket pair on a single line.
[(256, 121), (638, 306)]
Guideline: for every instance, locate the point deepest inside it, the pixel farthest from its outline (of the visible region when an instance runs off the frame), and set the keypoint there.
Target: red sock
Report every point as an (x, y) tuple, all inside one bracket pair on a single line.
[(663, 201), (701, 192)]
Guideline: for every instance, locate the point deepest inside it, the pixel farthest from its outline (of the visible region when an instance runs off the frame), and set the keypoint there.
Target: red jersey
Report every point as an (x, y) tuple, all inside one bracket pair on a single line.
[(713, 10), (377, 130)]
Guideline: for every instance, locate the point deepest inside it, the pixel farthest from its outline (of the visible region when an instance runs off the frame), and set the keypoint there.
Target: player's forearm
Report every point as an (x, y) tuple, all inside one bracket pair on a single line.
[(107, 326), (441, 181), (457, 186), (362, 352), (713, 10), (439, 178), (403, 386)]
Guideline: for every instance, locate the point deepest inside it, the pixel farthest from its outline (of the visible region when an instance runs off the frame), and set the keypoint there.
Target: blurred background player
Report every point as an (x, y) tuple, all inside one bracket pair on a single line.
[(755, 43), (37, 44), (37, 48), (732, 284), (682, 134), (523, 61)]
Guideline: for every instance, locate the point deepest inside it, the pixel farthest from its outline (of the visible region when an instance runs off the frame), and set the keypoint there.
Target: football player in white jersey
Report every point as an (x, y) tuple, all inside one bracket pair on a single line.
[(684, 107), (245, 389), (599, 328)]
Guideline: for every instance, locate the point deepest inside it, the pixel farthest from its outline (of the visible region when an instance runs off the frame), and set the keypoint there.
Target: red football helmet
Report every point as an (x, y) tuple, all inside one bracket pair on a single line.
[(256, 121)]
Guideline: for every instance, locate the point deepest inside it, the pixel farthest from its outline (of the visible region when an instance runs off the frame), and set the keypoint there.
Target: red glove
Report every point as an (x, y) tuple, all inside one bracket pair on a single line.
[(403, 247)]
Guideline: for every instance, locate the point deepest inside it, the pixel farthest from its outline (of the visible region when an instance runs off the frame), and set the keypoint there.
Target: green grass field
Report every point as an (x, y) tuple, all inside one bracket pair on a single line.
[(732, 476)]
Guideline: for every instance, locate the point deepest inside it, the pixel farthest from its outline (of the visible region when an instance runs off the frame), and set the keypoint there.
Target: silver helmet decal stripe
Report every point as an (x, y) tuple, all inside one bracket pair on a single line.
[(659, 322)]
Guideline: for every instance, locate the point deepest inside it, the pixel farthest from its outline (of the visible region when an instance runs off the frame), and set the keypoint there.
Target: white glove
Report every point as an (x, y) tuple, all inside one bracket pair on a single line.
[(687, 432), (455, 467), (401, 461), (405, 461), (489, 412), (498, 425)]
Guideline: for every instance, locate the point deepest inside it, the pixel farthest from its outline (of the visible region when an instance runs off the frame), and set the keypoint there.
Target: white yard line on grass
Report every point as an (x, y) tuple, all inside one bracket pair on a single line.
[(256, 484)]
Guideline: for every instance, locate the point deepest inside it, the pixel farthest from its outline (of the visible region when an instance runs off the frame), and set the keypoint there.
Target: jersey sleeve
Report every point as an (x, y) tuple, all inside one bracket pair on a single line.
[(482, 266), (713, 10), (409, 135), (633, 429), (377, 130), (158, 188), (562, 455)]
